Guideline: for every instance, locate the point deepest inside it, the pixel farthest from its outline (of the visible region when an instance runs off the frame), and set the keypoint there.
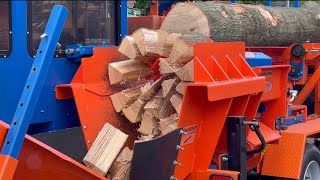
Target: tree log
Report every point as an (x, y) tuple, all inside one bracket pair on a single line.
[(256, 25)]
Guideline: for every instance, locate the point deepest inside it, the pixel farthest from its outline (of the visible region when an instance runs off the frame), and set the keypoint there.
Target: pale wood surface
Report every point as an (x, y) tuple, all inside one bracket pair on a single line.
[(129, 48), (166, 68), (186, 73), (168, 124), (134, 112), (125, 98), (176, 101), (168, 87), (128, 70), (120, 168), (147, 41), (181, 87), (149, 125), (105, 149)]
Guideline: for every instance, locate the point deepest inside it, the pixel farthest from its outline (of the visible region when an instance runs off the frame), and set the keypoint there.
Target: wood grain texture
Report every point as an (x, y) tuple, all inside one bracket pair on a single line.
[(253, 24), (129, 70), (105, 149)]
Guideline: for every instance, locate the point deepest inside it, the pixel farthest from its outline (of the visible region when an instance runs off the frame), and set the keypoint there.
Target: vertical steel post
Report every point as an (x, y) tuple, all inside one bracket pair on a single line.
[(296, 3), (35, 82), (268, 2), (237, 147), (124, 18)]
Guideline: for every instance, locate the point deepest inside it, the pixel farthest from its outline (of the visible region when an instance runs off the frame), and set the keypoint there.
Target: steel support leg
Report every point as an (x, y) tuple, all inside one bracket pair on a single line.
[(237, 149)]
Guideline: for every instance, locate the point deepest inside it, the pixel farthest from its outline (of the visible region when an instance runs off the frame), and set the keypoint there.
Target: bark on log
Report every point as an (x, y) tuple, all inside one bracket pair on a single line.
[(256, 25)]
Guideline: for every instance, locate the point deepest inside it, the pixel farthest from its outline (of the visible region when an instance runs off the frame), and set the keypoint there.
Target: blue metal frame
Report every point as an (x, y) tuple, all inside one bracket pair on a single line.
[(124, 18), (296, 3), (35, 81), (49, 114)]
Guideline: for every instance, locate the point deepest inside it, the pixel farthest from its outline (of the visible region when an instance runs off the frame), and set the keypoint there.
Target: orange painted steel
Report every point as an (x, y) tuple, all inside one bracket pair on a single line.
[(154, 7), (206, 174), (311, 84), (8, 167), (288, 153), (223, 80), (91, 90), (284, 159), (39, 161)]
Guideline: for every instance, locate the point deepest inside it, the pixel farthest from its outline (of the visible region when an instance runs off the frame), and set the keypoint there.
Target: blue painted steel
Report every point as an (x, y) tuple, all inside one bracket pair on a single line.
[(268, 2), (289, 121), (77, 51), (299, 74), (124, 18), (49, 113), (164, 5), (234, 1), (258, 59), (296, 3), (35, 81)]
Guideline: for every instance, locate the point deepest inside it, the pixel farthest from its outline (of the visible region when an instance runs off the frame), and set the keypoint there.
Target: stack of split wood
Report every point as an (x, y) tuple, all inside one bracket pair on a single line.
[(155, 105)]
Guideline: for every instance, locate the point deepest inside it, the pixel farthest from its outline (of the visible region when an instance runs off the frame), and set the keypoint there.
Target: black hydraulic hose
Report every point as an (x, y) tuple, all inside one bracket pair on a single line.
[(261, 138)]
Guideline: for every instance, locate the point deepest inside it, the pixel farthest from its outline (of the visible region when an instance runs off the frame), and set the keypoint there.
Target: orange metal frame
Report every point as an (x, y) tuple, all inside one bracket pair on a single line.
[(224, 85), (91, 90), (39, 161)]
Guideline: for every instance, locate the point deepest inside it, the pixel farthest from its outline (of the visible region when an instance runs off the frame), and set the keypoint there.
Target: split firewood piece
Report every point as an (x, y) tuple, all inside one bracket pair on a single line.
[(105, 149), (176, 101), (168, 124), (127, 70), (120, 168), (129, 48), (168, 87), (147, 41), (149, 125), (149, 89), (165, 42), (166, 68), (125, 98), (159, 106), (186, 73), (182, 50), (181, 87), (134, 112)]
